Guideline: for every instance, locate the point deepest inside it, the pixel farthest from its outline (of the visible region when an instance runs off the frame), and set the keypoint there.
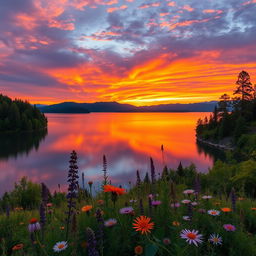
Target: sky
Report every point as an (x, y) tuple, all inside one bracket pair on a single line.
[(129, 51)]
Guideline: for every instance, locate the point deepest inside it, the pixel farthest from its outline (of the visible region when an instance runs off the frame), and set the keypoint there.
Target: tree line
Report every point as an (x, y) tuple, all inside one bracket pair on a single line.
[(233, 116), (18, 115)]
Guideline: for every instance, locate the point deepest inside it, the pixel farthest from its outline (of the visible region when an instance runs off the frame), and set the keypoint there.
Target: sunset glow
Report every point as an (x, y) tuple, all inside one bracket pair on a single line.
[(136, 52)]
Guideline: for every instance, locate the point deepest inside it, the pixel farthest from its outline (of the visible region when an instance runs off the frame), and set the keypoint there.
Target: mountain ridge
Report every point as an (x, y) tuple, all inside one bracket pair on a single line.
[(74, 107)]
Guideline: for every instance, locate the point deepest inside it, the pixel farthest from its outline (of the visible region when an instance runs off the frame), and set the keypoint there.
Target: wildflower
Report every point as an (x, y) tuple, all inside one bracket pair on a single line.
[(187, 218), (17, 247), (186, 201), (191, 236), (113, 189), (175, 205), (72, 189), (166, 241), (226, 209), (90, 183), (175, 223), (86, 208), (100, 202), (138, 250), (132, 201), (34, 225), (62, 228), (151, 196), (214, 212), (189, 191), (229, 227), (126, 210), (156, 203), (110, 223), (60, 246), (92, 243), (49, 204), (215, 239), (253, 208), (143, 224), (194, 203), (240, 198), (217, 203), (206, 197)]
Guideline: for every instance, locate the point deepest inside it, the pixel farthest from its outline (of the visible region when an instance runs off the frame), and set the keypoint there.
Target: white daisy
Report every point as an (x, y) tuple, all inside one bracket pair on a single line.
[(60, 246), (214, 212), (110, 222), (215, 239)]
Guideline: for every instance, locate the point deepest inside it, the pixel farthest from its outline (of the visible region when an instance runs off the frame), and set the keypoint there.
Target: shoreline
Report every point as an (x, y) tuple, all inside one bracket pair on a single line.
[(214, 145)]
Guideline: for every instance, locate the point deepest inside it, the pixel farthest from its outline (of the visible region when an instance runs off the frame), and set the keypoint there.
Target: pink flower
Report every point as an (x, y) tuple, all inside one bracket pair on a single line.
[(126, 210), (186, 201), (175, 205), (156, 203), (229, 227), (191, 236), (110, 223), (188, 191)]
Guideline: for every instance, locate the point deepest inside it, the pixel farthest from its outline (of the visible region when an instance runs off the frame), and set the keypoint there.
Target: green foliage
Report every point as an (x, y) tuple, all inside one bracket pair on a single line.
[(17, 115), (26, 194)]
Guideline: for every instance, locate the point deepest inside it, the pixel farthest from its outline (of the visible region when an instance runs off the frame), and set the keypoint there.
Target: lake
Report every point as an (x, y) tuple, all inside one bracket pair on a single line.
[(127, 139)]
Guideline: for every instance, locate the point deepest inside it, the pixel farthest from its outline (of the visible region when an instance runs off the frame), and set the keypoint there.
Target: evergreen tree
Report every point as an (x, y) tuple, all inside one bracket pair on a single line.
[(180, 170)]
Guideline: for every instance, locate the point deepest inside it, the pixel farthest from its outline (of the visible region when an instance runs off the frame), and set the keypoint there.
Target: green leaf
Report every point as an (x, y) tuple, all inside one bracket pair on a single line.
[(151, 250)]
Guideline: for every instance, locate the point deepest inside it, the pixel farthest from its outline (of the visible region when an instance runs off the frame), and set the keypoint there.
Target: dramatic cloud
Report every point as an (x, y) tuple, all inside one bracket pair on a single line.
[(133, 51)]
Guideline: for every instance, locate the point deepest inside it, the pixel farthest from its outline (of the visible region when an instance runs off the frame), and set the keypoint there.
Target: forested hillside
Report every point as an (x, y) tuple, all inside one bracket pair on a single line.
[(17, 115)]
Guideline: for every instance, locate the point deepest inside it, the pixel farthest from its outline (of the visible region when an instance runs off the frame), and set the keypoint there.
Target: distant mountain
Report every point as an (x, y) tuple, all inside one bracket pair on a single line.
[(72, 107), (65, 107)]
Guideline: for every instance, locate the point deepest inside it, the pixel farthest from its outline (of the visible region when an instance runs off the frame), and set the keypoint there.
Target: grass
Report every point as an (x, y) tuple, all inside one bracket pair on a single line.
[(122, 238)]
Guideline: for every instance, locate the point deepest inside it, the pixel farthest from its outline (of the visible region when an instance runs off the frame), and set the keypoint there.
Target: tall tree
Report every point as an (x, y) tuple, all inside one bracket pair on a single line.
[(244, 86)]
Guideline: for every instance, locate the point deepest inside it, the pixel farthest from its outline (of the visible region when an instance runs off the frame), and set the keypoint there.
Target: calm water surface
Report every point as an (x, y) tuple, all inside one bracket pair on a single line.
[(127, 140)]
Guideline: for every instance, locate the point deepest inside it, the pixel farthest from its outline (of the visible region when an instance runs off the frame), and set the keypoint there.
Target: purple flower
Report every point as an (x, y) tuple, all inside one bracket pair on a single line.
[(156, 203), (34, 225), (126, 210)]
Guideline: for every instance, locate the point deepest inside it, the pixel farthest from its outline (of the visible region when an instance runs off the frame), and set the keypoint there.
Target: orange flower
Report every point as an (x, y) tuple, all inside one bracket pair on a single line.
[(175, 223), (117, 190), (86, 208), (138, 250), (253, 208), (143, 224), (17, 247), (33, 221), (62, 228), (226, 209)]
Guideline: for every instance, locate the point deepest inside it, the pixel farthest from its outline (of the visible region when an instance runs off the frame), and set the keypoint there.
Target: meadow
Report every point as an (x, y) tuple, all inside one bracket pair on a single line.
[(176, 213)]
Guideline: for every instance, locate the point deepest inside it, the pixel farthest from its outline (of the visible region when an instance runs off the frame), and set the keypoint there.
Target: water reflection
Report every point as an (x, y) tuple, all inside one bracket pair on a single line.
[(17, 144), (127, 140), (208, 151)]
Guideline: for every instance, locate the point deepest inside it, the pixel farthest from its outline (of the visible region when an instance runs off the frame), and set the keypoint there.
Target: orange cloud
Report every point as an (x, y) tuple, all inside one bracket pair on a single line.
[(114, 9), (212, 11), (188, 8), (172, 4)]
